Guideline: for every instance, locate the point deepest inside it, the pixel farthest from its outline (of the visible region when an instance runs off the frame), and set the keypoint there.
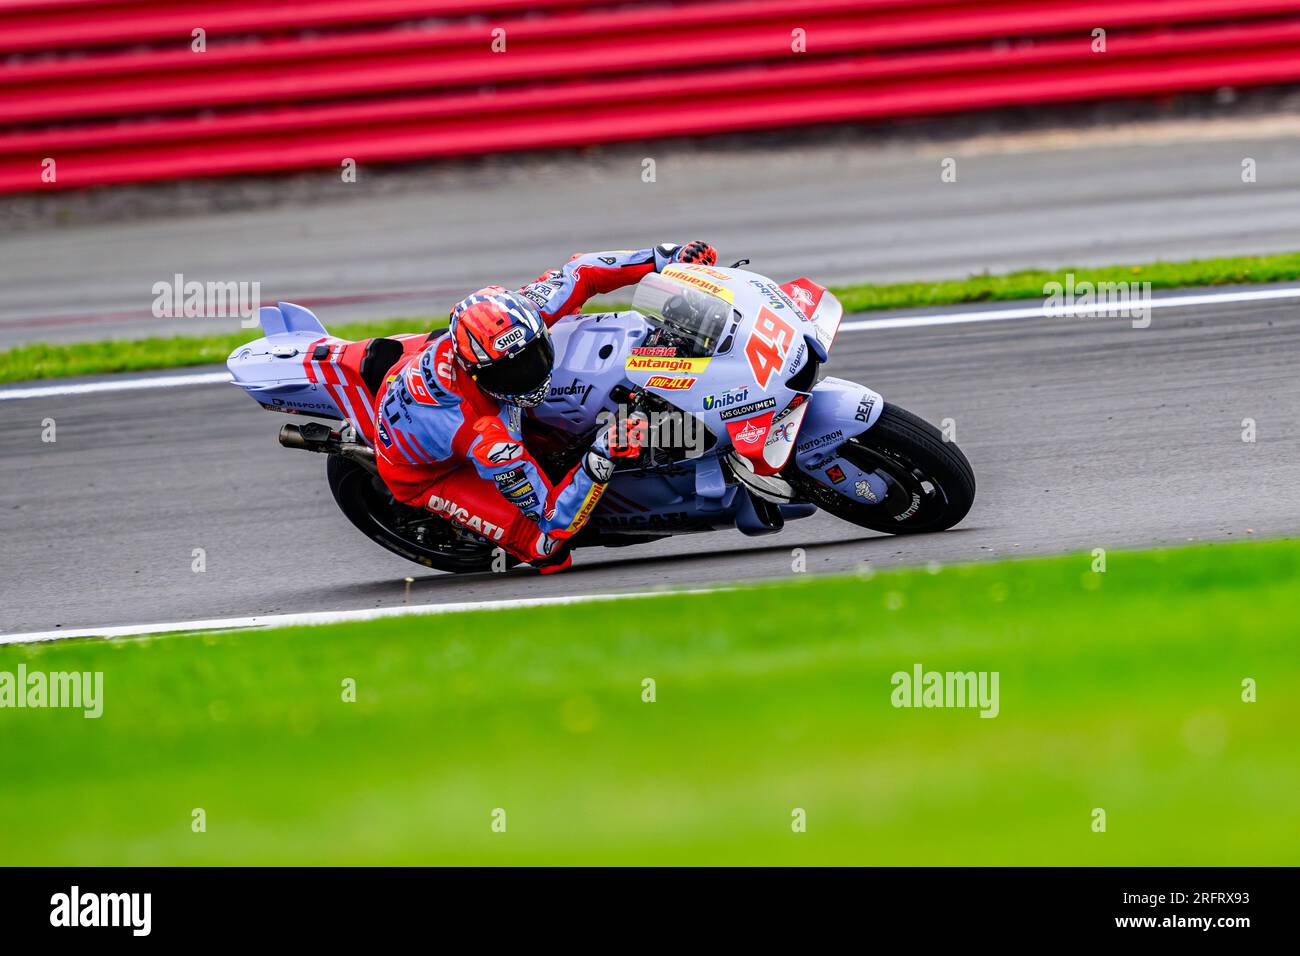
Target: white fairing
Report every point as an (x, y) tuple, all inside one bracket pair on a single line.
[(751, 341)]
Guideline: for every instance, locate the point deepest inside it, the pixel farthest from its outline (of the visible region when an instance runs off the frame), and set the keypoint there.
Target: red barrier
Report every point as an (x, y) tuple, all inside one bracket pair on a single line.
[(555, 47), (564, 81), (95, 23)]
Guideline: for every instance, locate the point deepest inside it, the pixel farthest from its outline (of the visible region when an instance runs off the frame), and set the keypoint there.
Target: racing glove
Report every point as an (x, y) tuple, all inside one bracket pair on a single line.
[(696, 252), (623, 439)]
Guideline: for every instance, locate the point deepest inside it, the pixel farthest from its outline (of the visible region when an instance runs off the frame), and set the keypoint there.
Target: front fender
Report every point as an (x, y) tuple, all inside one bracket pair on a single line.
[(838, 409)]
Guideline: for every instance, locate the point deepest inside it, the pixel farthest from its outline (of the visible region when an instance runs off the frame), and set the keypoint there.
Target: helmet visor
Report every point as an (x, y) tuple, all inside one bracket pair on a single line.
[(518, 374)]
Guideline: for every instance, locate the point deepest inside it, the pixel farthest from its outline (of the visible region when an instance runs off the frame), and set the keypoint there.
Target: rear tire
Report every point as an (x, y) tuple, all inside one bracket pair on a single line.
[(931, 484), (413, 533)]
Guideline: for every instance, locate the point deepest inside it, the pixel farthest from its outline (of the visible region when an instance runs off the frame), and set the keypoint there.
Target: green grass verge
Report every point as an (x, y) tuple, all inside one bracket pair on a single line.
[(1028, 284), (1119, 691), (30, 362)]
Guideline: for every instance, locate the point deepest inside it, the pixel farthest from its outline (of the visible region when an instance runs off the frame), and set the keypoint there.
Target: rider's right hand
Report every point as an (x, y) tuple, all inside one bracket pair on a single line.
[(625, 438)]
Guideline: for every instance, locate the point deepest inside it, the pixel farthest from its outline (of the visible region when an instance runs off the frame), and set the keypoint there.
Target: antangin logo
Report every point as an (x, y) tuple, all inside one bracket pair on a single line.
[(681, 274), (659, 363), (588, 506)]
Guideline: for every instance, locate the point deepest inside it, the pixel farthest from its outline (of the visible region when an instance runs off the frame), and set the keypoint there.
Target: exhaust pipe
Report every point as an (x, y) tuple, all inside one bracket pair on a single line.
[(291, 437), (312, 436), (317, 437)]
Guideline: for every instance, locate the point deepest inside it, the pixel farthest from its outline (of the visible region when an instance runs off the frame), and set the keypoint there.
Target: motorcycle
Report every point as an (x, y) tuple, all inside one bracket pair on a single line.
[(727, 368)]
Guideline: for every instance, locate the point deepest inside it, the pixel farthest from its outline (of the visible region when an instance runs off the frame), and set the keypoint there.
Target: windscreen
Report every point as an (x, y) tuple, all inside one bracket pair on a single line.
[(690, 319)]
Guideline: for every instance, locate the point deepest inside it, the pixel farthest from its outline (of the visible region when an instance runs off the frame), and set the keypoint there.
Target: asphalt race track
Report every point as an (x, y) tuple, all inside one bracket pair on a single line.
[(1083, 433), (837, 215)]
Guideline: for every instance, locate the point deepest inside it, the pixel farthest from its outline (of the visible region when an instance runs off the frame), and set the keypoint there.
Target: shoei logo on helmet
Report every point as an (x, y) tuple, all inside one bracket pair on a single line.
[(513, 337)]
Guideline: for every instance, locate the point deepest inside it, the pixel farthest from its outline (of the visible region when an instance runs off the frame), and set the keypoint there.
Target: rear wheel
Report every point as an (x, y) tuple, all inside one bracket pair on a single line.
[(931, 485), (414, 533)]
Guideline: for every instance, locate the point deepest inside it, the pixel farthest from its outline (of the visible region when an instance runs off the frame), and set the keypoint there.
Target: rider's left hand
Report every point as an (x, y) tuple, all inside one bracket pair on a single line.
[(698, 252)]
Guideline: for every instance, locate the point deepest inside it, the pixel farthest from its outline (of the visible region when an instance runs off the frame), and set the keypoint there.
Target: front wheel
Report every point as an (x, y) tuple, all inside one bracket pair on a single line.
[(414, 533), (931, 485)]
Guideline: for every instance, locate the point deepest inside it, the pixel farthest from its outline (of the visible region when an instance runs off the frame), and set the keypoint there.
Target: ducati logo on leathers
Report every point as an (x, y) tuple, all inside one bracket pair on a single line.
[(462, 516)]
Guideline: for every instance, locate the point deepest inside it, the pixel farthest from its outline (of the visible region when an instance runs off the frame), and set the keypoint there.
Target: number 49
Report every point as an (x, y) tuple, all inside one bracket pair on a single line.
[(768, 343)]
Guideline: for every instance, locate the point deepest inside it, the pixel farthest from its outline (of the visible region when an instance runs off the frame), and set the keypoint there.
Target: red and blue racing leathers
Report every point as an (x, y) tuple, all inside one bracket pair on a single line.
[(442, 444)]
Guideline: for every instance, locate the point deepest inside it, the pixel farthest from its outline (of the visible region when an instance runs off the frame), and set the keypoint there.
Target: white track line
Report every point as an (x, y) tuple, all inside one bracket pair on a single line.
[(125, 385), (860, 325), (329, 617), (1077, 312)]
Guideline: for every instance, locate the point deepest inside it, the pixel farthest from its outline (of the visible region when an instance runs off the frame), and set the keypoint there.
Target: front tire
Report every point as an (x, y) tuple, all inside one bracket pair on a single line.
[(413, 533), (931, 484)]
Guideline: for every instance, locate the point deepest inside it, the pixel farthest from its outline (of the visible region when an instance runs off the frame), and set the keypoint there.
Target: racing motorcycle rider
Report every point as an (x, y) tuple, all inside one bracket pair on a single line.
[(449, 418)]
